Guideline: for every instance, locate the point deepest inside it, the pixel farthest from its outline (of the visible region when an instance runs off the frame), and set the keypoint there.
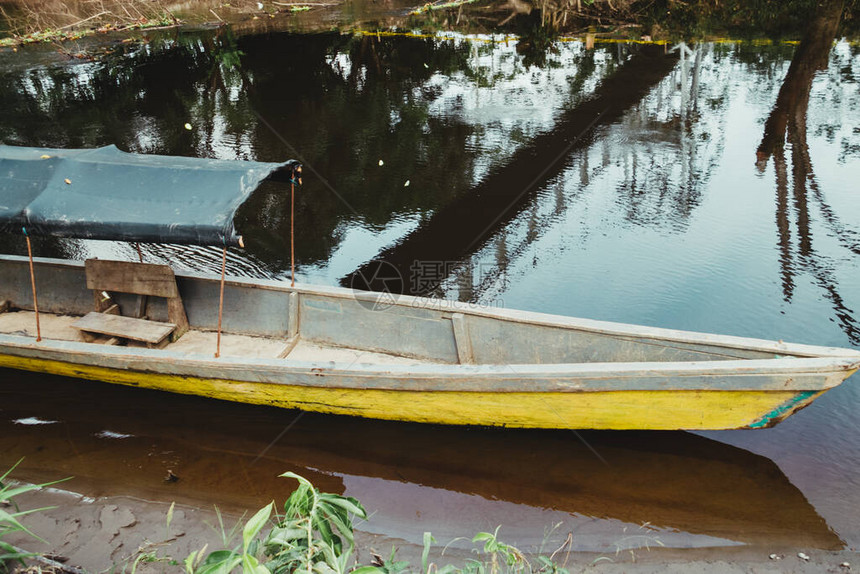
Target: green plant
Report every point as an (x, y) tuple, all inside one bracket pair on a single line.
[(224, 561), (315, 535), (9, 522), (512, 557)]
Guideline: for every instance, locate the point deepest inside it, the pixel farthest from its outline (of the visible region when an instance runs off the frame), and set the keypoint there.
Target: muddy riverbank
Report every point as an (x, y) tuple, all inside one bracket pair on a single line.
[(122, 533)]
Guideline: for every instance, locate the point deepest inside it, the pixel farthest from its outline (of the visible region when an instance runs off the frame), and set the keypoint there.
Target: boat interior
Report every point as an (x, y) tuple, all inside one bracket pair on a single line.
[(148, 305)]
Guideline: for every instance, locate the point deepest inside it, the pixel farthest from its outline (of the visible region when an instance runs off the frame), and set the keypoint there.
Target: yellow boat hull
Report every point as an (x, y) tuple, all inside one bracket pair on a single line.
[(615, 410)]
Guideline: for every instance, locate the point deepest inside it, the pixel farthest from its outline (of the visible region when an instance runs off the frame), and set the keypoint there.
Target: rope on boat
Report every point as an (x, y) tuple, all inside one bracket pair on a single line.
[(33, 283)]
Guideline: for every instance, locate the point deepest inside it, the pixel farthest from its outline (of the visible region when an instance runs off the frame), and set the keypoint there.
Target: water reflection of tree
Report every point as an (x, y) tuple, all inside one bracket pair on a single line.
[(662, 154), (243, 97), (787, 122), (342, 102), (463, 227)]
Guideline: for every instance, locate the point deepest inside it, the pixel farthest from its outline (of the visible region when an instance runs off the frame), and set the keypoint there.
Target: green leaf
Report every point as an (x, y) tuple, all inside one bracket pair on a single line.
[(301, 479), (348, 503), (368, 570), (11, 524), (12, 492), (190, 560), (12, 553), (8, 472), (324, 529), (250, 565), (170, 515), (428, 541), (284, 536), (256, 523), (220, 562)]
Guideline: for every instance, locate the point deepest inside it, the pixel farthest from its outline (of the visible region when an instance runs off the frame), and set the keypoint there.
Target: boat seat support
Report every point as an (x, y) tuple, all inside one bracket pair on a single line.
[(144, 279), (153, 333), (462, 340)]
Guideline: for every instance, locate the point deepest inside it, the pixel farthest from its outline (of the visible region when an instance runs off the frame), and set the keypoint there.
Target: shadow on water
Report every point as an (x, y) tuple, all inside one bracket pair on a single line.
[(412, 478)]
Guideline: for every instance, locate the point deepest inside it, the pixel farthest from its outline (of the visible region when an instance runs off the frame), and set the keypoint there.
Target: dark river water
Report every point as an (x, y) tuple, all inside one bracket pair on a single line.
[(710, 187)]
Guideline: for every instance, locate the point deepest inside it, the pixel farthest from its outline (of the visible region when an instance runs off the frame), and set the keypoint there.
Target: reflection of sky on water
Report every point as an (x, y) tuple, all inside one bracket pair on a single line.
[(673, 221)]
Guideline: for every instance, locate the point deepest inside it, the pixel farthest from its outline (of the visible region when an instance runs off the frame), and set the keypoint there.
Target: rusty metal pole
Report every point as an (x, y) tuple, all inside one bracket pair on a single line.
[(139, 252), (33, 283), (292, 230), (295, 177), (221, 301)]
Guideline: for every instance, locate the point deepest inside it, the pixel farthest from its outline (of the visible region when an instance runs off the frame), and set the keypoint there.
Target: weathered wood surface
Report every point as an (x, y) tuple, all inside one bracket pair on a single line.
[(288, 348), (143, 279), (126, 327), (462, 339), (131, 277)]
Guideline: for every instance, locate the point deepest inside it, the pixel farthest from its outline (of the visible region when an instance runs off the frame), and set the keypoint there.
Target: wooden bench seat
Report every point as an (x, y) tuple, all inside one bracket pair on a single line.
[(150, 332), (143, 279), (153, 333)]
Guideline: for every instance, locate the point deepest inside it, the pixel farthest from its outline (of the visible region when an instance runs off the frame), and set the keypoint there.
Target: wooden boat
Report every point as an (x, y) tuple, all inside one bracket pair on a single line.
[(335, 350)]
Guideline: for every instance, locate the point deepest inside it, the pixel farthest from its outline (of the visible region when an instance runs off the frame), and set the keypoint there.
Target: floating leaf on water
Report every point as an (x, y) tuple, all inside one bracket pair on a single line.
[(187, 126), (406, 184), (381, 163), (46, 156), (68, 181)]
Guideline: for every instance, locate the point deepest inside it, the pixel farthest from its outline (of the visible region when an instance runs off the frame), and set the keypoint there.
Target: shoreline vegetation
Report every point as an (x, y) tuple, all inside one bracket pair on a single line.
[(58, 21), (314, 532), (53, 21)]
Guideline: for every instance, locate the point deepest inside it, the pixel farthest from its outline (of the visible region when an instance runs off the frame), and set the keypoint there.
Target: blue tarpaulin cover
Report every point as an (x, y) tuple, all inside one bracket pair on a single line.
[(105, 193)]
